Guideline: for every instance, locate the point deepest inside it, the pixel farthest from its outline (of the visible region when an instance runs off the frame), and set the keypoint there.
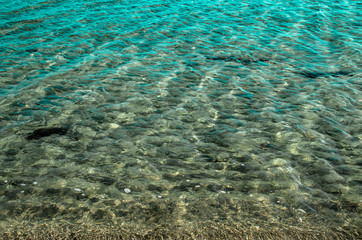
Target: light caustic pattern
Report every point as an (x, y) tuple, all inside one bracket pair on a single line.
[(181, 113)]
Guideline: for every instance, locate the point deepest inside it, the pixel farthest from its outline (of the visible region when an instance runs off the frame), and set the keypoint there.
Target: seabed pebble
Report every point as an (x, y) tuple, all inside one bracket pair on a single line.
[(127, 190), (113, 125), (301, 210), (77, 189)]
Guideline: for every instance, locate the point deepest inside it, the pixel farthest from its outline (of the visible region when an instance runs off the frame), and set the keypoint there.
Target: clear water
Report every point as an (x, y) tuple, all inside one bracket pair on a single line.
[(185, 116)]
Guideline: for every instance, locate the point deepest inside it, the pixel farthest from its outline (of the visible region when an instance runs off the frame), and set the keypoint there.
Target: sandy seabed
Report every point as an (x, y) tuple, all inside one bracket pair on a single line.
[(206, 230)]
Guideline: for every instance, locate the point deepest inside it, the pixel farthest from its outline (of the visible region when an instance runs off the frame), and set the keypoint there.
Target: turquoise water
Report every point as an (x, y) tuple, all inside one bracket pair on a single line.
[(180, 115)]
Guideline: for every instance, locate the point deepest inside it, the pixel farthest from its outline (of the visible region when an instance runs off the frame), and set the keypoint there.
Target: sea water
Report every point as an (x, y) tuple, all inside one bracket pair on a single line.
[(189, 118)]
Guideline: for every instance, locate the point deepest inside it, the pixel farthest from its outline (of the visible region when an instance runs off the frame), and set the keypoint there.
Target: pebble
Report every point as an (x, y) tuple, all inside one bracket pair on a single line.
[(113, 125), (77, 189), (301, 210), (279, 162), (333, 177), (127, 190)]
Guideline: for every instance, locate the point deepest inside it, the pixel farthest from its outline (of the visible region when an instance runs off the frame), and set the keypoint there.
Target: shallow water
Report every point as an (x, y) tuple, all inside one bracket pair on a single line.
[(180, 113)]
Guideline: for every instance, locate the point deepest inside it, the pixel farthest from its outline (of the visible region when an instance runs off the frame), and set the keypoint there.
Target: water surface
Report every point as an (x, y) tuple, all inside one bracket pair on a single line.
[(195, 119)]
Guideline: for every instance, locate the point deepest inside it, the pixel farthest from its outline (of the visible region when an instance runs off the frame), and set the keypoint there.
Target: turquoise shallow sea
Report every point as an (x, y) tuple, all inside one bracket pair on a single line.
[(204, 119)]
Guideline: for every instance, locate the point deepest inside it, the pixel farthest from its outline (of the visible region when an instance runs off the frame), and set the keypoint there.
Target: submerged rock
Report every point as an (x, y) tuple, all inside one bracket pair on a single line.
[(44, 132)]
